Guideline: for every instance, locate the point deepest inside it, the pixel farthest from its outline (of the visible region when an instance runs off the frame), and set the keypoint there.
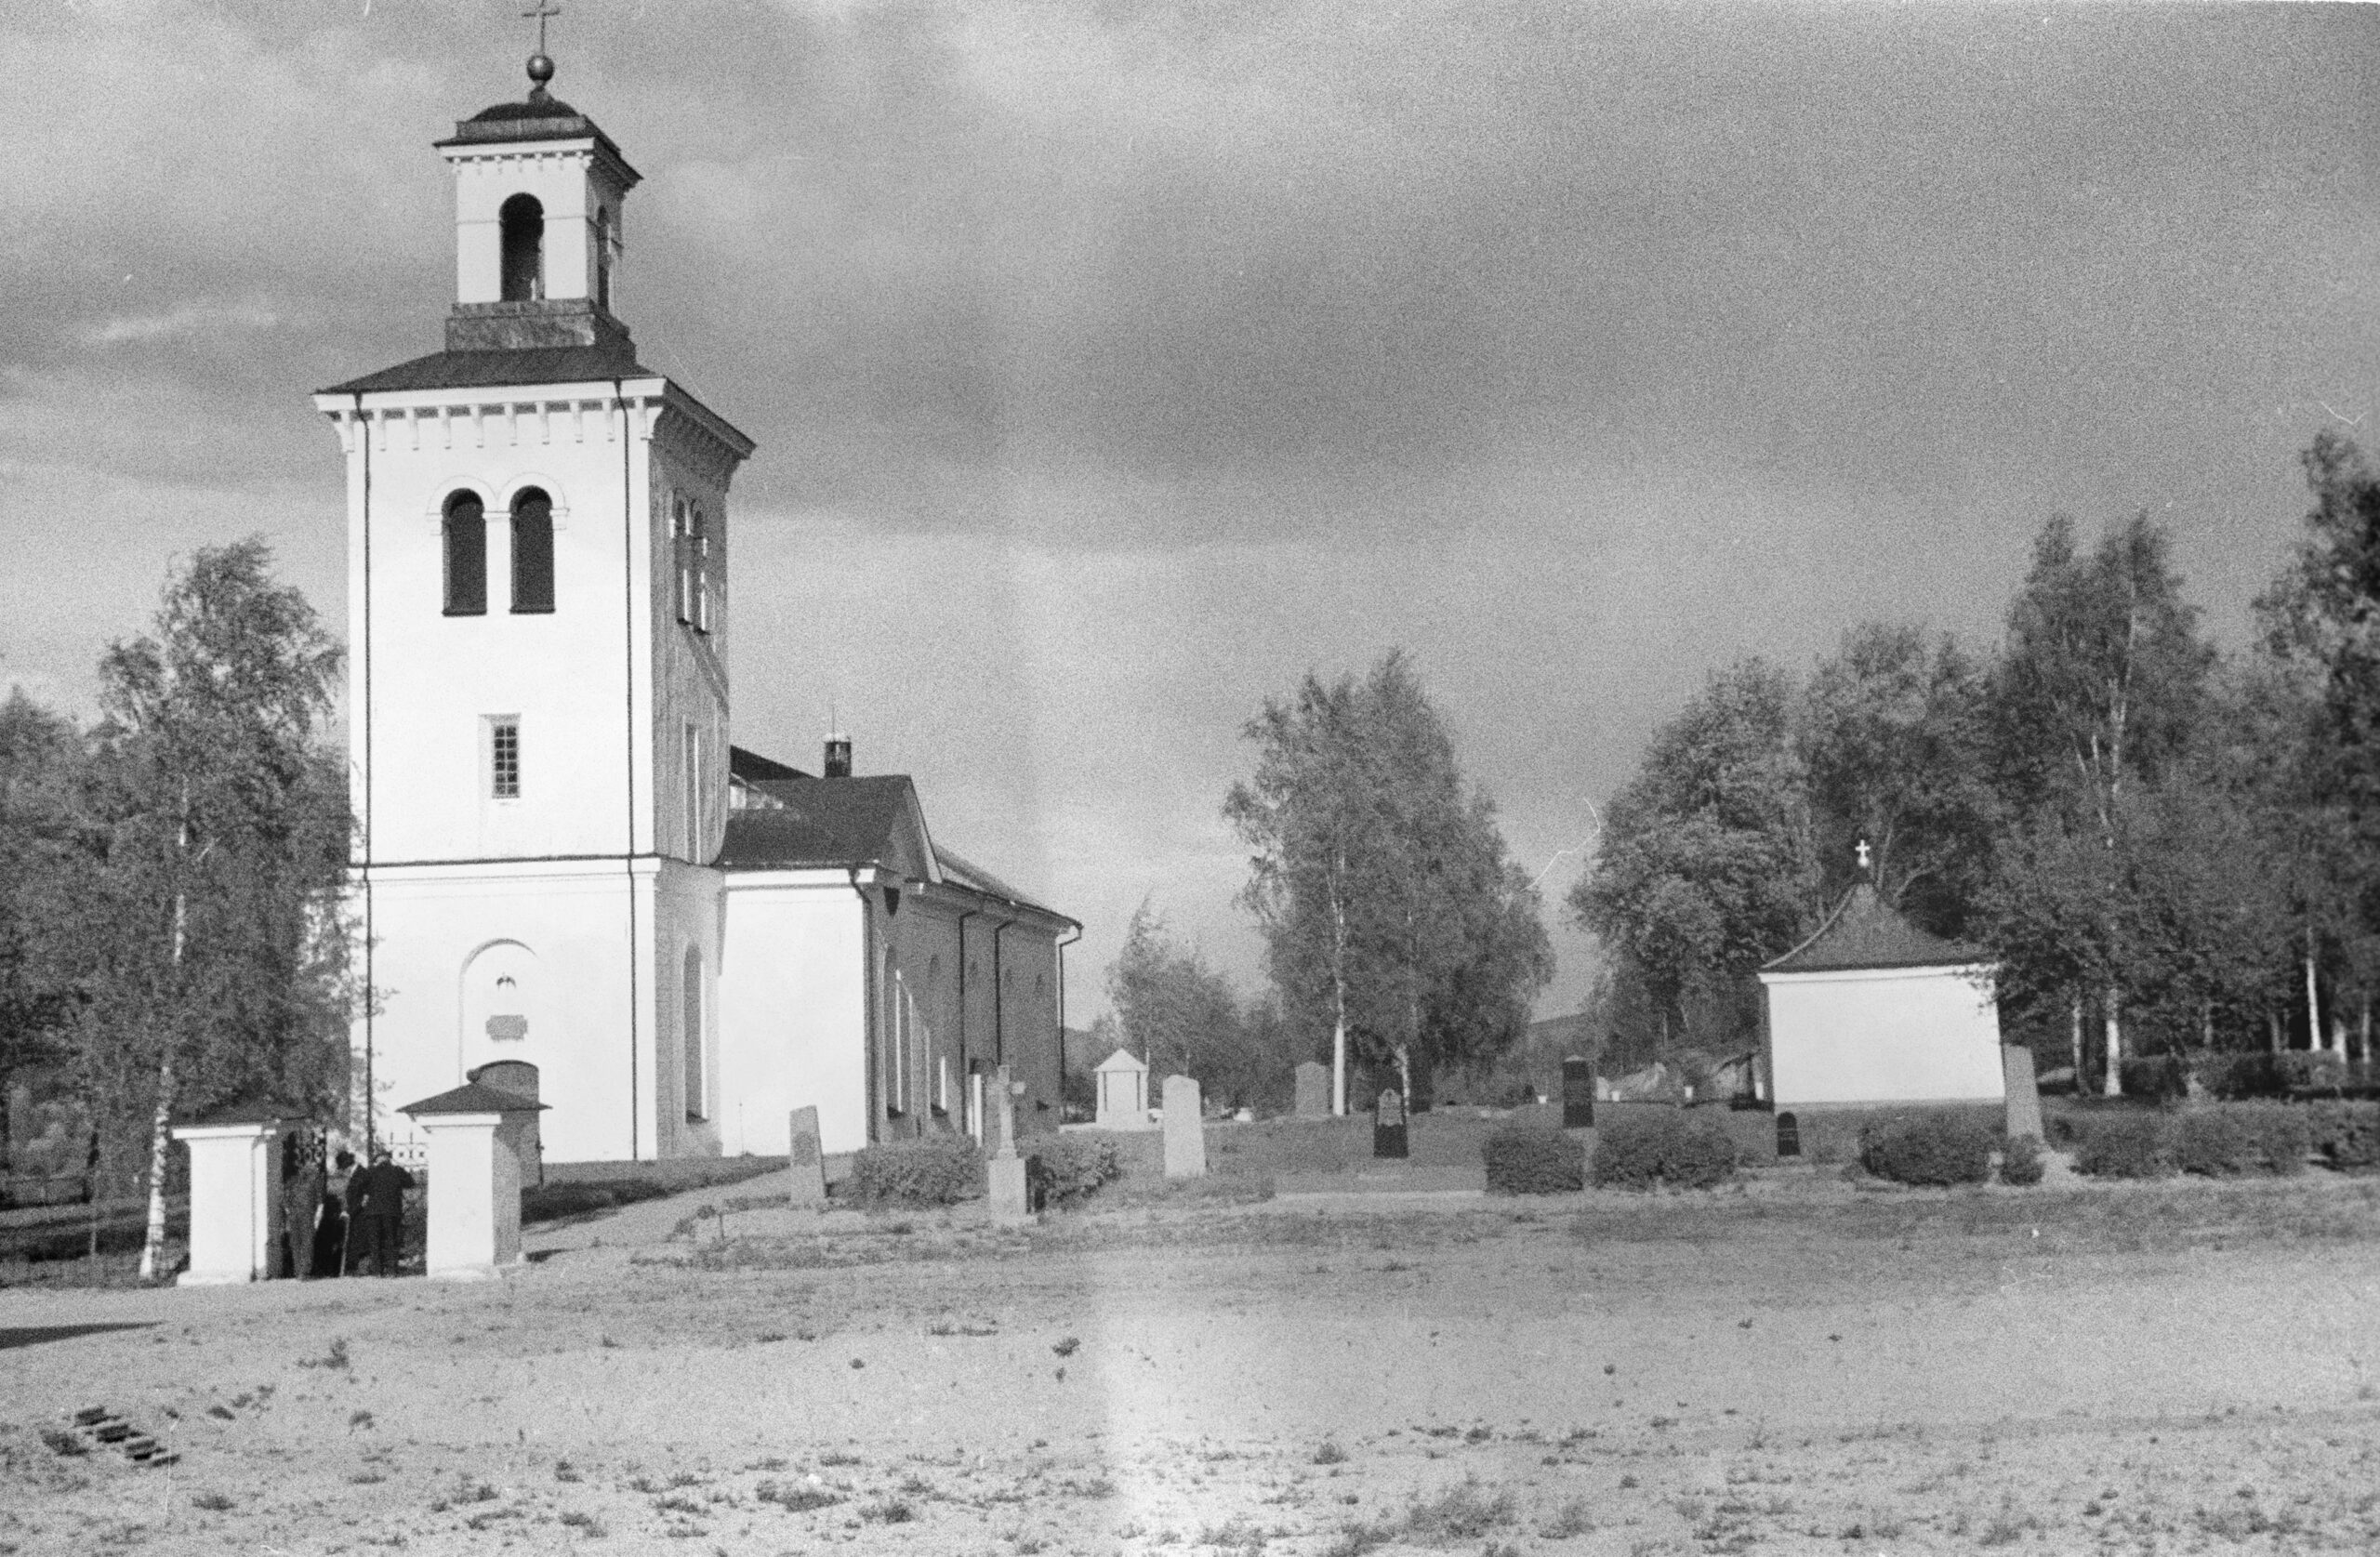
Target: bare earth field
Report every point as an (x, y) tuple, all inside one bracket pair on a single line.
[(1791, 1366)]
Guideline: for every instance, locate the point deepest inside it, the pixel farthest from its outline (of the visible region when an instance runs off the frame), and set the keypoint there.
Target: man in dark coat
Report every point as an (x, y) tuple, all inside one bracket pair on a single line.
[(375, 1199)]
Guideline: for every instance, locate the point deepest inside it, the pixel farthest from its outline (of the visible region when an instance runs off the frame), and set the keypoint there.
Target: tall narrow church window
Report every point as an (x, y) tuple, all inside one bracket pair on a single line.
[(681, 543), (693, 758), (533, 552), (604, 258), (465, 556), (702, 571), (696, 1106), (523, 223), (504, 759)]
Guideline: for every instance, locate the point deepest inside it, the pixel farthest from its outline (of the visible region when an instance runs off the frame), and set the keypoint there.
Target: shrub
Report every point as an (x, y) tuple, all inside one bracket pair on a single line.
[(2273, 1075), (1927, 1149), (2346, 1134), (2130, 1145), (1669, 1147), (1529, 1159), (2283, 1136), (2160, 1077), (2020, 1160), (931, 1170), (2215, 1142), (1066, 1168)]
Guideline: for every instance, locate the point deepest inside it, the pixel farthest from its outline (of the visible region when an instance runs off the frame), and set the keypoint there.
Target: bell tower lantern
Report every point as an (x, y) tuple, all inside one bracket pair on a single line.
[(538, 191)]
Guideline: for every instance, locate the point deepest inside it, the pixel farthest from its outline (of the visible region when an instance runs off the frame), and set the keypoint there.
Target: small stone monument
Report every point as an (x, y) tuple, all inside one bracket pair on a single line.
[(234, 1198), (1314, 1090), (1009, 1192), (1388, 1125), (483, 1147), (806, 1162), (2024, 1096), (1578, 1094), (1186, 1130), (1123, 1095)]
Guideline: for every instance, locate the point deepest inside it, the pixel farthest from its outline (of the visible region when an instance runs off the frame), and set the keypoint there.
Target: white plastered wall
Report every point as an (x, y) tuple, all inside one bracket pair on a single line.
[(1882, 1035), (793, 1011)]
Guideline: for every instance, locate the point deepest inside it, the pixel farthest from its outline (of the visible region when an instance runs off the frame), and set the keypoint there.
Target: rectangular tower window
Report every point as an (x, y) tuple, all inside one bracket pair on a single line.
[(693, 749), (504, 758)]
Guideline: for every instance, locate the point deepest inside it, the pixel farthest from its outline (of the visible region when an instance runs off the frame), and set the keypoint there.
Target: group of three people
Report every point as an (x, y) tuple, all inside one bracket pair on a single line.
[(363, 1212)]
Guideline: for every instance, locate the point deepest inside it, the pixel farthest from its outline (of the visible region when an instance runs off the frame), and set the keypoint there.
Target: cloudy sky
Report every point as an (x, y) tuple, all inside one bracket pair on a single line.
[(1114, 364)]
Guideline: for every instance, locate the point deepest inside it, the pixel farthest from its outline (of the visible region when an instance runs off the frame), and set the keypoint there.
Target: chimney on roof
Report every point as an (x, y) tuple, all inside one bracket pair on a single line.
[(839, 757)]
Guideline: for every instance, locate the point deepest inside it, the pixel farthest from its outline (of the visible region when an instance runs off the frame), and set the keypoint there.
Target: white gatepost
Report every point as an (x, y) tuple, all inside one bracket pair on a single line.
[(234, 1200), (481, 1144)]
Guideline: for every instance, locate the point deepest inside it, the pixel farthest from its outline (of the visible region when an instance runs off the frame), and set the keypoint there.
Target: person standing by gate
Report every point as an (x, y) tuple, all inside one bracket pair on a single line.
[(377, 1200)]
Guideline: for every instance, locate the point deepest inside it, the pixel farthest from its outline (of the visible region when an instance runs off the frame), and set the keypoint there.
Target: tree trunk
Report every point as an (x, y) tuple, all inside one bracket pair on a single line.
[(2074, 1036), (1405, 1075), (2111, 1084), (2272, 1030), (2336, 1043), (1338, 1004), (2313, 999), (153, 1248), (2367, 1029)]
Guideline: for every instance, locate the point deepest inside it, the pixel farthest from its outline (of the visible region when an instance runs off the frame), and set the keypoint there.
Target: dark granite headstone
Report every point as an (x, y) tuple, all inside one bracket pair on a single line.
[(1578, 1094), (1388, 1126)]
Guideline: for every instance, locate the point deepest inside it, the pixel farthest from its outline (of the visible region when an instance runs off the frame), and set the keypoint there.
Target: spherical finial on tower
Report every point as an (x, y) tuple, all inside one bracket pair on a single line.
[(541, 70)]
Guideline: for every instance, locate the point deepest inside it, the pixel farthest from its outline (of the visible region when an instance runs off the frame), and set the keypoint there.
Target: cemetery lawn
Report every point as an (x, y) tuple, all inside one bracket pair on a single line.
[(1794, 1367)]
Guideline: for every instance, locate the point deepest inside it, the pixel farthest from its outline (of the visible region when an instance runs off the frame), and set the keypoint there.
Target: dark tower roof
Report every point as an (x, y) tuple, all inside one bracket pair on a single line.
[(1864, 932)]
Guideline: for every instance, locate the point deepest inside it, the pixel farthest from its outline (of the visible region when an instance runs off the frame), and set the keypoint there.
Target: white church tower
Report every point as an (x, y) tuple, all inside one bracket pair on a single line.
[(538, 551)]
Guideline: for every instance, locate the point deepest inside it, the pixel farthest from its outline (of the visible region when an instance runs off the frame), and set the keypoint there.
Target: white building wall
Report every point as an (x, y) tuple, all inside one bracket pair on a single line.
[(1882, 1035), (793, 1011)]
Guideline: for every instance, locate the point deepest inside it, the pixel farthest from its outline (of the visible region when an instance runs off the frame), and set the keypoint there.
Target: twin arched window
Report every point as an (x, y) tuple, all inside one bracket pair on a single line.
[(533, 554)]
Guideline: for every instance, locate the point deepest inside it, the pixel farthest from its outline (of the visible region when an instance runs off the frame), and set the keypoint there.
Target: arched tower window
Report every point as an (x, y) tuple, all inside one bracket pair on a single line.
[(692, 540), (533, 551), (696, 1107), (604, 258), (523, 222), (465, 556)]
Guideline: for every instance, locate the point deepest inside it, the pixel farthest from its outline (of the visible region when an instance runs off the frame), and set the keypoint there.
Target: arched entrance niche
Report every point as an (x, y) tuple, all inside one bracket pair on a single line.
[(503, 1008)]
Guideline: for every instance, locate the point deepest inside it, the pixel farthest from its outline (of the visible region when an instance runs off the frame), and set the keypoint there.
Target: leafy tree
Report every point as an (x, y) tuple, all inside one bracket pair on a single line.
[(1706, 867), (1392, 918), (1891, 735), (209, 944), (1179, 1014), (2096, 695), (41, 766)]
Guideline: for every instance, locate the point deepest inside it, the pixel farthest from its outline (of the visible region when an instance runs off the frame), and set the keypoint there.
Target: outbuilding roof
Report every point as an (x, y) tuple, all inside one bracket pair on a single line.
[(1865, 931), (474, 1097)]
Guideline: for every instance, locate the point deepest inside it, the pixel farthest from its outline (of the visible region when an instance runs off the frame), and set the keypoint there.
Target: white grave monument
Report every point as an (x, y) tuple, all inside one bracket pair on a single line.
[(1011, 1199), (1185, 1132), (1123, 1095), (234, 1199), (806, 1163), (483, 1144)]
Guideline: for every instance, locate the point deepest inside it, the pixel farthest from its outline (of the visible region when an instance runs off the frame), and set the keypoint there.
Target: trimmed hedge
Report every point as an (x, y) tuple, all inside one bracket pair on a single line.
[(1065, 1169), (2232, 1138), (931, 1170), (2020, 1160), (1527, 1159), (1927, 1149), (1684, 1151), (2133, 1144)]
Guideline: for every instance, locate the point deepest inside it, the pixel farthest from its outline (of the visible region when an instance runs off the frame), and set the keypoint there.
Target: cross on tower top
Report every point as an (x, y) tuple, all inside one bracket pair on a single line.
[(1863, 856), (542, 11), (541, 65)]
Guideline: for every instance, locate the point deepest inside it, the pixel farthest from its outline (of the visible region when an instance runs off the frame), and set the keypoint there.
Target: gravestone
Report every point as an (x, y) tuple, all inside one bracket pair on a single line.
[(1004, 1170), (1123, 1092), (1185, 1132), (1388, 1126), (1578, 1094), (2024, 1095), (1314, 1090), (806, 1162)]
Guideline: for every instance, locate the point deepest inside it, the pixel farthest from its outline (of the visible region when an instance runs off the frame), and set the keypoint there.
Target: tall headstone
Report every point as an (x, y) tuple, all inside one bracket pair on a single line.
[(2024, 1094), (1578, 1094), (805, 1161), (234, 1200), (1123, 1092), (1186, 1130), (1005, 1171), (1314, 1090), (1388, 1125)]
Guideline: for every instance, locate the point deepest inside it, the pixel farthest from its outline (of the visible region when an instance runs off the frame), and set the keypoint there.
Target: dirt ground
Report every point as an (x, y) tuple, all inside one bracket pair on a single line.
[(1794, 1365)]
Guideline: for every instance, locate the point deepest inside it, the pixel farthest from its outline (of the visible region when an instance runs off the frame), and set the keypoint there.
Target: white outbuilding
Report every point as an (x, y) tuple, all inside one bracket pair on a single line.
[(1873, 1011)]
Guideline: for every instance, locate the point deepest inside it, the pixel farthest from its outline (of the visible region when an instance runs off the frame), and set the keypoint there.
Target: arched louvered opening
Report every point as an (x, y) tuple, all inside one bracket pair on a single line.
[(523, 223), (533, 551), (466, 551)]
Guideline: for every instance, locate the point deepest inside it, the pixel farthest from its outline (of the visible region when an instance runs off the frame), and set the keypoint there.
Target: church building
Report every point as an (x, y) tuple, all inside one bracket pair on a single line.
[(562, 858)]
